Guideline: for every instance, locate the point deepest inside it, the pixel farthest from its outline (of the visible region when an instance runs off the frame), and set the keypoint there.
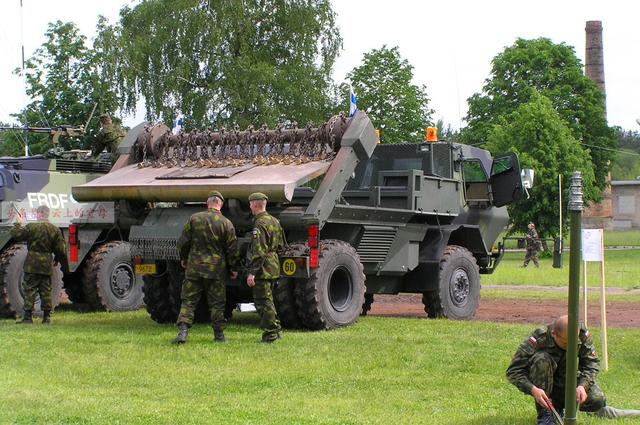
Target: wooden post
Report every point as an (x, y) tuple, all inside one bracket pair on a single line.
[(603, 312)]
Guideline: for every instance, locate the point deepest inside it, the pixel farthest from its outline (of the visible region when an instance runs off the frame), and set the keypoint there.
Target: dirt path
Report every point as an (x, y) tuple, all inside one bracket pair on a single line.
[(619, 314)]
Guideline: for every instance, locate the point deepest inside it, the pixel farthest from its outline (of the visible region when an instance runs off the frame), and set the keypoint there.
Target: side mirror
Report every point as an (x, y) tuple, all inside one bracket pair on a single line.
[(527, 177)]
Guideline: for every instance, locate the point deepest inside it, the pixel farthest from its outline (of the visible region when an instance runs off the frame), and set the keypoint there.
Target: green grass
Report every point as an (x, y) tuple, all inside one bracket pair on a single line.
[(105, 368), (622, 270), (611, 238)]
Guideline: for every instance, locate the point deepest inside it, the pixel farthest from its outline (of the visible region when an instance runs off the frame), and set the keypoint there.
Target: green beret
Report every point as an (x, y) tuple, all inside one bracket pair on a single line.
[(257, 196), (216, 194)]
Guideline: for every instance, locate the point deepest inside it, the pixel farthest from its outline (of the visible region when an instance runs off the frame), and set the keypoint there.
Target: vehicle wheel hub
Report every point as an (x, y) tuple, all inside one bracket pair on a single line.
[(459, 287), (122, 280)]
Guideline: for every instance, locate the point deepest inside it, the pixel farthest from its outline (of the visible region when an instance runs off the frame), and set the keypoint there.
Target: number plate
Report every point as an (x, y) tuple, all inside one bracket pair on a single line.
[(141, 269)]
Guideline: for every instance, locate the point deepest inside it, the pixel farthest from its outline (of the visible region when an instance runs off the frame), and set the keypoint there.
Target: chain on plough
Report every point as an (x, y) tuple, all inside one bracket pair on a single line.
[(236, 148)]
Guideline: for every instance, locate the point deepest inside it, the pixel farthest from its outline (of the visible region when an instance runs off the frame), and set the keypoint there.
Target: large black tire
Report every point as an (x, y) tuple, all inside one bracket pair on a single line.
[(108, 278), (366, 306), (73, 287), (458, 295), (284, 296), (334, 293), (11, 276), (432, 306), (162, 296)]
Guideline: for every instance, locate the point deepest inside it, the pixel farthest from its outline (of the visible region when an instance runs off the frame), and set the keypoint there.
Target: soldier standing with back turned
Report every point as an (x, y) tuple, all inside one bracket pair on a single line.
[(43, 239), (208, 249), (264, 264)]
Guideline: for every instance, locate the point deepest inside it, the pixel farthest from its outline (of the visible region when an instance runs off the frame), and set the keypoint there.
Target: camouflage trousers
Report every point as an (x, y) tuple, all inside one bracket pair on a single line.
[(192, 290), (263, 299), (34, 284), (532, 254), (544, 373)]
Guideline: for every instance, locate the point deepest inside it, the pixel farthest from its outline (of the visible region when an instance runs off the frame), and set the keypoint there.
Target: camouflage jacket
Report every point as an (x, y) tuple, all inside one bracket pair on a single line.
[(43, 239), (209, 245), (267, 242), (532, 239), (108, 137), (542, 340)]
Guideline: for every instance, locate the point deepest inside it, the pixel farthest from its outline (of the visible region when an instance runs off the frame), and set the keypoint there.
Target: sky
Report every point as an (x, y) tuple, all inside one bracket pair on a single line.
[(449, 43)]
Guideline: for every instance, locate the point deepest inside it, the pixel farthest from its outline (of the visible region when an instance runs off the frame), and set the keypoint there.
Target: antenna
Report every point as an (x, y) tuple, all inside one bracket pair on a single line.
[(24, 79)]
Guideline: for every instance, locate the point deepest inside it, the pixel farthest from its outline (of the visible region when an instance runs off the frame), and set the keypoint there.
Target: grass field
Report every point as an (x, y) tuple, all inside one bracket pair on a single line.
[(611, 238), (622, 269), (102, 368)]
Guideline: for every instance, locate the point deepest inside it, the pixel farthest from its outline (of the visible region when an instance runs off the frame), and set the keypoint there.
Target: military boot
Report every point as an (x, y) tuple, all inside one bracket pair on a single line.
[(46, 317), (612, 413), (183, 331), (218, 335), (27, 317)]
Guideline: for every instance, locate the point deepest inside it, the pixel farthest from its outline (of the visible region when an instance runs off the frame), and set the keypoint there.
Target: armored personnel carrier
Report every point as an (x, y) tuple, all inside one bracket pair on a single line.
[(99, 270), (361, 218)]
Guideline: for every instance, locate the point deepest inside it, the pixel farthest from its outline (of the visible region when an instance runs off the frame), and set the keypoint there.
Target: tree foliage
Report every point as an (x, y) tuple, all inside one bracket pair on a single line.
[(64, 82), (554, 71), (543, 141), (626, 165), (230, 62), (384, 89)]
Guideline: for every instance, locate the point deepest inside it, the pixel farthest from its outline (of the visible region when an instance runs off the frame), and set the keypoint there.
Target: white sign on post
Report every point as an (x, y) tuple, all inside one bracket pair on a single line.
[(592, 245), (593, 250)]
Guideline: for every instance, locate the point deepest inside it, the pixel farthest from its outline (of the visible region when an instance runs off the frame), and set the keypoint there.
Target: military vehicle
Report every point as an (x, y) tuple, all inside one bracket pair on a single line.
[(360, 218), (99, 270)]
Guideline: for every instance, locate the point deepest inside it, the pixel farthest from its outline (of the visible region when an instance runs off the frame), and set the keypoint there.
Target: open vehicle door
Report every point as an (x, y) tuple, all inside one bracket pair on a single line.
[(506, 181)]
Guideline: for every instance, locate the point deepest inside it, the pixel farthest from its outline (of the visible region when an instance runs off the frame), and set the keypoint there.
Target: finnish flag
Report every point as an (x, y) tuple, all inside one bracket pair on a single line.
[(353, 108), (178, 123)]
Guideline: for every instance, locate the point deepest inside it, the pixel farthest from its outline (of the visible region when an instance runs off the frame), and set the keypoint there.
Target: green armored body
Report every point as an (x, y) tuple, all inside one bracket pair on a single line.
[(43, 239), (264, 264), (208, 250)]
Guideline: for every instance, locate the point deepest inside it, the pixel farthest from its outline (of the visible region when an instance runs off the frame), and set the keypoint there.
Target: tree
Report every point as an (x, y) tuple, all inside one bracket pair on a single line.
[(65, 83), (226, 63), (543, 141), (626, 165), (554, 71), (384, 89)]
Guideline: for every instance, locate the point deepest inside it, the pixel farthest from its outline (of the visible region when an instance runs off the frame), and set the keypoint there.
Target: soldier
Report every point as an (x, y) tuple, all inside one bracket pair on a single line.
[(538, 368), (207, 248), (43, 239), (264, 264), (532, 246), (109, 137)]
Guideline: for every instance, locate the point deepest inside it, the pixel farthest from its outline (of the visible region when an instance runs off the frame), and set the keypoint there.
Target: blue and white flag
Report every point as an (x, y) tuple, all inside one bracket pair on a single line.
[(178, 123), (353, 108)]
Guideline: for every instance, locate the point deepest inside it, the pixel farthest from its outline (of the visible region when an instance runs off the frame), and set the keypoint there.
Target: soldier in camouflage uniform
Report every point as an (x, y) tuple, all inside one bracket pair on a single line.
[(43, 239), (533, 244), (208, 250), (538, 368), (264, 264), (109, 137)]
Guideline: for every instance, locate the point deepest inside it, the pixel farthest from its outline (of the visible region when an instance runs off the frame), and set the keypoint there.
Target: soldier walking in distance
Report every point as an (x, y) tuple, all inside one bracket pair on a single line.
[(538, 368), (109, 137), (264, 264), (533, 243), (208, 249), (43, 239)]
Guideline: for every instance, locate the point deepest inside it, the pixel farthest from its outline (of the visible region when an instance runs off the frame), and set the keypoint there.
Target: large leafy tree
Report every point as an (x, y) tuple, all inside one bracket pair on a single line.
[(626, 165), (64, 82), (223, 63), (384, 88), (543, 141), (554, 71)]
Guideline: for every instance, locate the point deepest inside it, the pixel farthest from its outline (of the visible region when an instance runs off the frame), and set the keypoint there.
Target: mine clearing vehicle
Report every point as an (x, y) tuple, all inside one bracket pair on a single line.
[(361, 218), (99, 272)]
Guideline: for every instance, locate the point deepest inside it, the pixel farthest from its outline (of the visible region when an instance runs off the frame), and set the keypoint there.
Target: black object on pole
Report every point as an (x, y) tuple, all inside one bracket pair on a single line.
[(575, 208), (557, 253)]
